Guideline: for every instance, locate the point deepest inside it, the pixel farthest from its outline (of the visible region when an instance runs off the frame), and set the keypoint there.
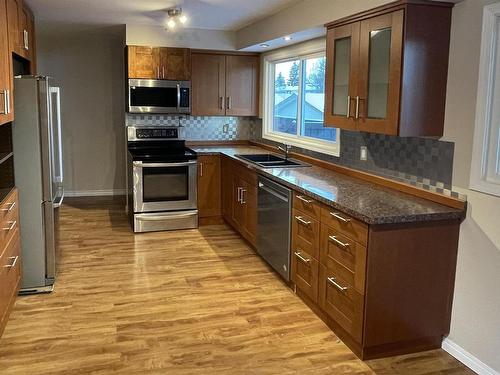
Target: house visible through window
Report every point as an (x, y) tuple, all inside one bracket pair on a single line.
[(295, 108)]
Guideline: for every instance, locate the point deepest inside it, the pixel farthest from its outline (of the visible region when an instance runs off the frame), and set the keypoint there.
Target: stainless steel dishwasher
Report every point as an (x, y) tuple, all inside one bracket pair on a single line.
[(273, 225)]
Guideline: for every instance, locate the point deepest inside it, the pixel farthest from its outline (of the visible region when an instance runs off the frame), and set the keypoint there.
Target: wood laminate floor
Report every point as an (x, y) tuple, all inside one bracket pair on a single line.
[(182, 302)]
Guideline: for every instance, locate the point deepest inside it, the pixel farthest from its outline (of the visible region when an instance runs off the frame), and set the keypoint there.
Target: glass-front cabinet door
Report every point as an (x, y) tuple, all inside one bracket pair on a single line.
[(379, 82), (342, 51)]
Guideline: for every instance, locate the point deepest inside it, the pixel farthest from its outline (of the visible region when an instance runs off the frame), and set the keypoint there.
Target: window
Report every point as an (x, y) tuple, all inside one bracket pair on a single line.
[(485, 169), (294, 100)]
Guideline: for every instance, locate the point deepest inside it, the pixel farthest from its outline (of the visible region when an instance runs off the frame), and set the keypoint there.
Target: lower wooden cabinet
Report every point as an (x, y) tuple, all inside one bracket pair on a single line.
[(239, 198), (10, 252), (384, 289), (209, 186)]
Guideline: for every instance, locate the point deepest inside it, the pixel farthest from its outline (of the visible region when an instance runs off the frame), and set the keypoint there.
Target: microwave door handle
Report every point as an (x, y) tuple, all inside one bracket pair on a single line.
[(162, 165), (178, 97)]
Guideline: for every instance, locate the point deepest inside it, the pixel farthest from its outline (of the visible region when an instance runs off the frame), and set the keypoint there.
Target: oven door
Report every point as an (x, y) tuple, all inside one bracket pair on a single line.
[(164, 186), (158, 96)]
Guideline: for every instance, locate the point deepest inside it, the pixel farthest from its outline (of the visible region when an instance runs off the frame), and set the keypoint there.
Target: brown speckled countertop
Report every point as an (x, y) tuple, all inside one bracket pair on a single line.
[(368, 202)]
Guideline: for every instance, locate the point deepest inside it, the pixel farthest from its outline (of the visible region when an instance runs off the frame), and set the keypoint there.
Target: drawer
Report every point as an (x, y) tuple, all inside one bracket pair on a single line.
[(307, 205), (341, 302), (305, 233), (10, 273), (8, 205), (9, 223), (345, 224), (305, 273), (345, 257)]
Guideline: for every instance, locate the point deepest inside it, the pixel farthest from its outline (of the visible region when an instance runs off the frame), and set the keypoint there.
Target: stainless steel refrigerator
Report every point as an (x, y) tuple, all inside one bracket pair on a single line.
[(36, 135)]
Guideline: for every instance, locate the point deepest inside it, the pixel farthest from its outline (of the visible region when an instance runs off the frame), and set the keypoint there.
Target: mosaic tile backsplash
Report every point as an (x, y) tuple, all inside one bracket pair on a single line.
[(199, 128)]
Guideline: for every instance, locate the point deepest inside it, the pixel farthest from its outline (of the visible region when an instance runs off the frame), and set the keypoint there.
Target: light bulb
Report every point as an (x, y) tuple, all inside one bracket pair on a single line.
[(183, 19), (171, 24)]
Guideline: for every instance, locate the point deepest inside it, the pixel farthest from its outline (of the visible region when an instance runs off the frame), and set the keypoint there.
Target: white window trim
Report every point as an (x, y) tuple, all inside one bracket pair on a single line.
[(487, 61), (310, 49)]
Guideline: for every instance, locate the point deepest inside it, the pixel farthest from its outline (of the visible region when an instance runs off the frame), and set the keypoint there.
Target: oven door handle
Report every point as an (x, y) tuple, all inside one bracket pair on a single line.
[(140, 164)]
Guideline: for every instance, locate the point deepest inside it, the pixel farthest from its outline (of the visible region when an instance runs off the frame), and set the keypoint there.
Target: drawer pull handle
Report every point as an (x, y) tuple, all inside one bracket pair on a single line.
[(337, 216), (13, 264), (302, 221), (299, 255), (301, 198), (11, 207), (332, 281), (12, 225), (340, 243)]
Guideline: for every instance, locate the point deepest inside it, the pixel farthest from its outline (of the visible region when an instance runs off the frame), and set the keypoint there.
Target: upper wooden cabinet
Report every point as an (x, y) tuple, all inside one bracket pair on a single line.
[(159, 63), (387, 69), (20, 22), (225, 84), (6, 113)]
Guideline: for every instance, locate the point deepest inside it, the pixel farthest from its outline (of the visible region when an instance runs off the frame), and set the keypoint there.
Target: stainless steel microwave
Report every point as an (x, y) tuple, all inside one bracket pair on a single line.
[(159, 96)]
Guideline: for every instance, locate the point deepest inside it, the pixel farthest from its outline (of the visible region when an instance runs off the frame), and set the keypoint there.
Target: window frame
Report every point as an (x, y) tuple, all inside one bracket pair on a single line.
[(489, 57), (312, 49)]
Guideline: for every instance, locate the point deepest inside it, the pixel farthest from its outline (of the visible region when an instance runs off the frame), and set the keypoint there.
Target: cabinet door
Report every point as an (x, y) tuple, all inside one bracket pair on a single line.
[(143, 62), (208, 85), (24, 26), (6, 114), (249, 205), (32, 45), (209, 189), (381, 42), (175, 63), (242, 81), (227, 189), (238, 213), (342, 50), (13, 15)]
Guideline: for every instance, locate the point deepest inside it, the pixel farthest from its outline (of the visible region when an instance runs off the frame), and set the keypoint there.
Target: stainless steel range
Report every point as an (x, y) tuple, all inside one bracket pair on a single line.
[(162, 175)]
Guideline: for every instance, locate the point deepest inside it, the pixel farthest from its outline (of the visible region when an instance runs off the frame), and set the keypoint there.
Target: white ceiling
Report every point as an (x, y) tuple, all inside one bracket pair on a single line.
[(203, 14)]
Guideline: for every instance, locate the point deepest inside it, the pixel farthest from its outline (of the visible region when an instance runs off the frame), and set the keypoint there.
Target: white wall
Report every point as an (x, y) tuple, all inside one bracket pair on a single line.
[(88, 64), (188, 38), (476, 307)]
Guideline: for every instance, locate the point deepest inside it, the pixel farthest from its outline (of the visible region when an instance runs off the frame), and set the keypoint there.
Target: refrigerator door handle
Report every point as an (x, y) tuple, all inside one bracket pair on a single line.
[(58, 123)]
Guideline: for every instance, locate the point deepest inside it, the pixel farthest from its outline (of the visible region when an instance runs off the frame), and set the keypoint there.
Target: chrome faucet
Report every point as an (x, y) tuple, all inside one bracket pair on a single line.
[(286, 149)]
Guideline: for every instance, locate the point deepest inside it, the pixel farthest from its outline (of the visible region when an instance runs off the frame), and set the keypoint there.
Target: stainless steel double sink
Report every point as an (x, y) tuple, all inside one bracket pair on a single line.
[(271, 161)]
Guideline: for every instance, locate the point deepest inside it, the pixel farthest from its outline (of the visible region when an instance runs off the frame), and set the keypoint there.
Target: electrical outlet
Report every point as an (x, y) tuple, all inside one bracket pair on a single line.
[(363, 153), (225, 128)]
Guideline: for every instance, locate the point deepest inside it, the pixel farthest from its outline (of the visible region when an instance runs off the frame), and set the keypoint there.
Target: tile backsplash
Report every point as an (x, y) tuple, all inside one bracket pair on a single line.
[(200, 128)]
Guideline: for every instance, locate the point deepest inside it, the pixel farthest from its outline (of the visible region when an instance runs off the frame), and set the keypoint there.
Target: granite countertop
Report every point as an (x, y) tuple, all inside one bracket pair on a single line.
[(368, 202)]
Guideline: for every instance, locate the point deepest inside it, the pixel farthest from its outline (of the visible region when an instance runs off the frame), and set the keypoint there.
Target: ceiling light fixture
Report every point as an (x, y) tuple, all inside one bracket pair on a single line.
[(175, 17), (264, 45)]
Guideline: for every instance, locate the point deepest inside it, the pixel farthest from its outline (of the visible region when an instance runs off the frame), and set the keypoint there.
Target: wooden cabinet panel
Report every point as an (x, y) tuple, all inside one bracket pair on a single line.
[(143, 62), (377, 81), (304, 273), (242, 77), (14, 8), (6, 107), (25, 17), (341, 302), (32, 46), (209, 186), (249, 203), (208, 83), (305, 233), (227, 189), (174, 63), (307, 205), (345, 224)]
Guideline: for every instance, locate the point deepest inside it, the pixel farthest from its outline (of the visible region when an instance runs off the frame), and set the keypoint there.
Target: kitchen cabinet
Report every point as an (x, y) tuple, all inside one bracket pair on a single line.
[(383, 289), (32, 46), (225, 84), (6, 112), (239, 198), (158, 63), (209, 186), (10, 263), (377, 81), (20, 21)]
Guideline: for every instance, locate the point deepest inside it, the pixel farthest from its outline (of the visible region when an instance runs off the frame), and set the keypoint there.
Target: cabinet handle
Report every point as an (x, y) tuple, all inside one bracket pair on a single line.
[(12, 226), (13, 264), (299, 255), (11, 207), (336, 241), (163, 72), (348, 106), (222, 103), (357, 107), (301, 198), (201, 169), (4, 93), (243, 192), (337, 216), (228, 102), (302, 221), (157, 72), (26, 40), (333, 281), (239, 194), (8, 100)]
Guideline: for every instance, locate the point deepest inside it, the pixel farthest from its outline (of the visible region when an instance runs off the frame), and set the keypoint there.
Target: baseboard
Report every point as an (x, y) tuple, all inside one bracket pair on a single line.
[(467, 358), (94, 193)]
